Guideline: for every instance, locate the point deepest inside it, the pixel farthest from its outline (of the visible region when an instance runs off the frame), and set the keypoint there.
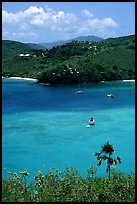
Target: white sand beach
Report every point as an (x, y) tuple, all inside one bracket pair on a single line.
[(125, 80), (24, 78)]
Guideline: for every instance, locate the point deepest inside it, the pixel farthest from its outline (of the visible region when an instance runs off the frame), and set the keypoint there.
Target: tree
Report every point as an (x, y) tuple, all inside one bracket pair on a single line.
[(92, 170), (106, 153)]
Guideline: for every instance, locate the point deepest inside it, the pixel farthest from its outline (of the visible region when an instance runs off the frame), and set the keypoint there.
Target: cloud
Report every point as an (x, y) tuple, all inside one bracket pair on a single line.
[(104, 23), (109, 22), (35, 21), (33, 10), (20, 35), (11, 18), (87, 13), (5, 33)]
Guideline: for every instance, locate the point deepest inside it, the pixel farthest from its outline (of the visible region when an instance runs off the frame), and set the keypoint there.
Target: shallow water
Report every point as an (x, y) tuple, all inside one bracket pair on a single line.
[(46, 126)]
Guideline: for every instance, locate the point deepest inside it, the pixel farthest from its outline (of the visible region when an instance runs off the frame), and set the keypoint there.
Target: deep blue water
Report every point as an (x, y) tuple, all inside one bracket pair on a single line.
[(45, 126)]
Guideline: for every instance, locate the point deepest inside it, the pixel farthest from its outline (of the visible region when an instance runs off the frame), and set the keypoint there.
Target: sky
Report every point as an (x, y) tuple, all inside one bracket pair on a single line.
[(44, 22)]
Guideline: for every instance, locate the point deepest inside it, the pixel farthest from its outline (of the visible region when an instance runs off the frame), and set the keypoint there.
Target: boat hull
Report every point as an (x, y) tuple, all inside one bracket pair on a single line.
[(91, 122), (110, 96)]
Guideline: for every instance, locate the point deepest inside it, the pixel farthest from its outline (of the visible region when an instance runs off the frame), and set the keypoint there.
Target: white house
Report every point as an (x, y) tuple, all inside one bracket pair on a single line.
[(24, 55)]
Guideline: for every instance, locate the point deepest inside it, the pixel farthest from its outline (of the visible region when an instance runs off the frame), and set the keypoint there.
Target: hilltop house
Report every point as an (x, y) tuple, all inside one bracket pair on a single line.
[(24, 55)]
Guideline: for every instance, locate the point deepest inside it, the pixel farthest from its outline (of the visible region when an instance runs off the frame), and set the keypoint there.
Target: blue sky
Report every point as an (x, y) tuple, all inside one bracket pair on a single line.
[(39, 22)]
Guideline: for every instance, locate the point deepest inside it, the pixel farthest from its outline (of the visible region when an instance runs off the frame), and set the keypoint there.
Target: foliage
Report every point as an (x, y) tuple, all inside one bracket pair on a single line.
[(68, 186), (92, 170), (12, 48), (128, 41)]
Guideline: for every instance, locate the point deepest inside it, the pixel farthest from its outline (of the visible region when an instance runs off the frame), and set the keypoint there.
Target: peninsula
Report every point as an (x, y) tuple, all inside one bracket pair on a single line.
[(72, 63)]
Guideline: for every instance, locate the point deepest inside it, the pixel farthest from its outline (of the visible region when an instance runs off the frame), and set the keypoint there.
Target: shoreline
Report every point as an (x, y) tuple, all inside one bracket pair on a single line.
[(24, 78), (32, 79), (126, 80)]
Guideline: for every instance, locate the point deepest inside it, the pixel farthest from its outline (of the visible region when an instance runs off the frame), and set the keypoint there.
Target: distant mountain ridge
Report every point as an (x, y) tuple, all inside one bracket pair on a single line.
[(89, 38), (11, 48)]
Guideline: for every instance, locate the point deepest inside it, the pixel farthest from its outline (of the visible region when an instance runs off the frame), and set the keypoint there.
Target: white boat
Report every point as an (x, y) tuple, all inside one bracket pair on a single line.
[(110, 95), (79, 92), (91, 122)]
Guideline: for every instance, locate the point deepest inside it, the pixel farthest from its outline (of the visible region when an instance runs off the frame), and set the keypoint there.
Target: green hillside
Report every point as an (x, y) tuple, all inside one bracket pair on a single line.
[(36, 46), (12, 48), (76, 61), (128, 41)]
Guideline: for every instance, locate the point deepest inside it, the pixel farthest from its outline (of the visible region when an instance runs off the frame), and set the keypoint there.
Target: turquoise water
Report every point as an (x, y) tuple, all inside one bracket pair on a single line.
[(46, 126)]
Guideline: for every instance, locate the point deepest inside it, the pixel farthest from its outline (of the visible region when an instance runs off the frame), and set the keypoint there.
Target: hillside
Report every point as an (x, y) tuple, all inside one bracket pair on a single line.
[(89, 38), (12, 48), (36, 46), (120, 41), (77, 61)]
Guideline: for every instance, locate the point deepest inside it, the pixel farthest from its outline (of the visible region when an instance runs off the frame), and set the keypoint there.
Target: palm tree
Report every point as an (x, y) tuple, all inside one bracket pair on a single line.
[(92, 170), (106, 154)]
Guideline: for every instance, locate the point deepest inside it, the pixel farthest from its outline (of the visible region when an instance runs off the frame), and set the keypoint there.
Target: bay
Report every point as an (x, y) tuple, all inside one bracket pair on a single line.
[(46, 126)]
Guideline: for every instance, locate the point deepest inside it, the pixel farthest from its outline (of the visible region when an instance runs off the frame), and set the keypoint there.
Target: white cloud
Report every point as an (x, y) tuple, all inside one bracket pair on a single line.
[(96, 26), (104, 23), (23, 35), (60, 13), (33, 10), (87, 13), (11, 18), (108, 22), (36, 20)]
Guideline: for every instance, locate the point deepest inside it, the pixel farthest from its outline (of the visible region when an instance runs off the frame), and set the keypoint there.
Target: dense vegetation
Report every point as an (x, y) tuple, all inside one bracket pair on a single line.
[(68, 186), (12, 48), (74, 62)]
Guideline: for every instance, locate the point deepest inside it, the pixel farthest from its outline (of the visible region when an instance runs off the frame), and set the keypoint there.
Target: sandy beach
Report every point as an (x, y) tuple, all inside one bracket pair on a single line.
[(24, 78), (124, 80), (129, 80)]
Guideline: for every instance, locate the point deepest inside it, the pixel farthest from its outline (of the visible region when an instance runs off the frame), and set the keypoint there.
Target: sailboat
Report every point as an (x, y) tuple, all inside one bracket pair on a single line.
[(110, 95), (79, 91)]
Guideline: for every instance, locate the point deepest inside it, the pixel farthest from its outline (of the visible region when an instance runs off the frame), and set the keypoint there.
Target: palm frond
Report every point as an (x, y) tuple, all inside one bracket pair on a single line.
[(103, 157), (97, 153), (108, 148), (99, 163), (115, 162), (119, 160)]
